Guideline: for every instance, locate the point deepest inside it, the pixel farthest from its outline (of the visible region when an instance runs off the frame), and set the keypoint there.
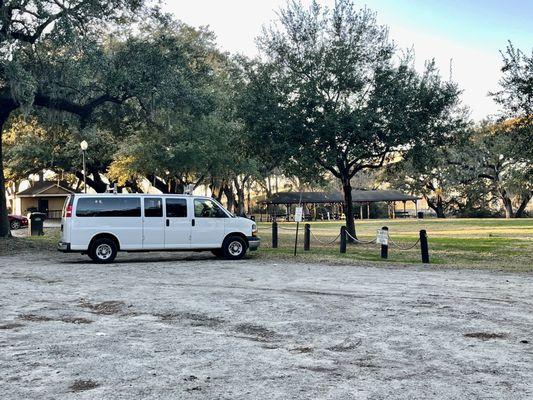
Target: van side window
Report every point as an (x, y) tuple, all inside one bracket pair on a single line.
[(108, 207), (205, 208), (176, 208), (153, 207)]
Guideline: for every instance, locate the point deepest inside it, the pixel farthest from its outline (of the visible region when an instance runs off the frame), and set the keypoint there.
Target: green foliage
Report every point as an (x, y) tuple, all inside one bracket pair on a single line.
[(341, 96), (516, 97)]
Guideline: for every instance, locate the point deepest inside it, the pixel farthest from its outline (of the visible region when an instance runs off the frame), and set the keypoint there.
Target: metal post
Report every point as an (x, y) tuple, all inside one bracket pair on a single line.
[(424, 248), (307, 237), (385, 247), (343, 239), (84, 172), (274, 235)]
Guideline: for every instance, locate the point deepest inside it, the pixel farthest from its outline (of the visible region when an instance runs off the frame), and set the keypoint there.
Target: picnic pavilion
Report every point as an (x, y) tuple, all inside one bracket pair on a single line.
[(334, 201)]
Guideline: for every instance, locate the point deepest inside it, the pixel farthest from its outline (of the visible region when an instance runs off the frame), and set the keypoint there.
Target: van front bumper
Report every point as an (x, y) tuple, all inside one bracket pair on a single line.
[(64, 247), (253, 243)]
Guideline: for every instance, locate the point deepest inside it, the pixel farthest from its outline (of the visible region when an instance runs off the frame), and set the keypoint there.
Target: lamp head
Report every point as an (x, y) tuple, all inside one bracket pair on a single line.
[(84, 145)]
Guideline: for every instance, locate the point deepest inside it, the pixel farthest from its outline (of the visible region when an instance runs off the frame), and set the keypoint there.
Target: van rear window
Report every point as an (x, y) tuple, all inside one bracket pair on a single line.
[(108, 207)]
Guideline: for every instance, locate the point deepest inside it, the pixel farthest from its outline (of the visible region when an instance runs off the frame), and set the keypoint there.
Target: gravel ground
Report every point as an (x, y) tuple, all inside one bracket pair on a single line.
[(189, 326)]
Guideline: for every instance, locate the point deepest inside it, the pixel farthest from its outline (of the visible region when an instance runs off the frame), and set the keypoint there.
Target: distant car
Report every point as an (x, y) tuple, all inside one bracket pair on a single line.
[(17, 221)]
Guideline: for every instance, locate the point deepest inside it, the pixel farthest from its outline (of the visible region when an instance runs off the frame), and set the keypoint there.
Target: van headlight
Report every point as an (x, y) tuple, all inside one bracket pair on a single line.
[(254, 230)]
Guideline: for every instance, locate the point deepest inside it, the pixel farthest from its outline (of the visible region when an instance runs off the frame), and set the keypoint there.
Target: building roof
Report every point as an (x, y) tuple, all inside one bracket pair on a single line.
[(46, 188), (358, 196)]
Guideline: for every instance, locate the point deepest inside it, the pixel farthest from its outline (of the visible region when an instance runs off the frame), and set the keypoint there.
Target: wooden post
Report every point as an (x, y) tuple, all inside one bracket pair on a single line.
[(274, 235), (424, 248), (393, 210), (360, 210), (385, 247), (307, 237), (296, 238), (343, 240), (367, 210)]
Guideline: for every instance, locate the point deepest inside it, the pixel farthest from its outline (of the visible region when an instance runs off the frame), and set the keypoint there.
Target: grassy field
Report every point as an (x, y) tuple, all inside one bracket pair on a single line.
[(472, 243), (478, 243)]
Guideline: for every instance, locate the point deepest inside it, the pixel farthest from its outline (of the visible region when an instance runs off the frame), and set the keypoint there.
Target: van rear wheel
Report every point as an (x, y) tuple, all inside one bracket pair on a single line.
[(234, 248), (103, 250)]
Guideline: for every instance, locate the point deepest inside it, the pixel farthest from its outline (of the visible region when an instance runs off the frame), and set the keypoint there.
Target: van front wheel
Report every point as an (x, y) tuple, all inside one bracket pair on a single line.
[(234, 248), (103, 251)]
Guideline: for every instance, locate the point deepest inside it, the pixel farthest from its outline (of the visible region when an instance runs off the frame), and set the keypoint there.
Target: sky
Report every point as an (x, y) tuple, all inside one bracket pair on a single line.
[(467, 34)]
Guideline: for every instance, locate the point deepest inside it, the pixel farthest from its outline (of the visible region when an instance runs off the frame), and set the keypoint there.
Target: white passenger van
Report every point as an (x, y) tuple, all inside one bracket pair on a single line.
[(100, 225)]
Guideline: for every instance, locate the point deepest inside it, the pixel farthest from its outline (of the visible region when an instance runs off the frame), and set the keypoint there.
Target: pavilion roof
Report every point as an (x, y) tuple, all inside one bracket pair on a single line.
[(358, 196)]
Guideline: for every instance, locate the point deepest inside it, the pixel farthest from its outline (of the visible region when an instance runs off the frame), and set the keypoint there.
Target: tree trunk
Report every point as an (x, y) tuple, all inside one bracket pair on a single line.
[(522, 207), (98, 184), (507, 203), (508, 207), (240, 201), (249, 197), (4, 222), (158, 183), (437, 206), (239, 188), (228, 191), (348, 208), (133, 186), (440, 209)]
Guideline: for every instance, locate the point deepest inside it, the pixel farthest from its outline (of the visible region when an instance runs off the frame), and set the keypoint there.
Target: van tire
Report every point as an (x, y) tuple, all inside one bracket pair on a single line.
[(103, 250), (234, 247)]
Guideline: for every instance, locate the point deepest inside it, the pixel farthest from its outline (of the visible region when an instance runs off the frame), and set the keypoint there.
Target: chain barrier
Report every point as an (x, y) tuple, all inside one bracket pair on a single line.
[(403, 248), (326, 243), (286, 229), (360, 241), (392, 242)]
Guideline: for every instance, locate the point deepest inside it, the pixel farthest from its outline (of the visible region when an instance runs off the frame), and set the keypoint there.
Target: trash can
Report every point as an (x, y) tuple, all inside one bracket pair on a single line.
[(36, 222), (420, 215)]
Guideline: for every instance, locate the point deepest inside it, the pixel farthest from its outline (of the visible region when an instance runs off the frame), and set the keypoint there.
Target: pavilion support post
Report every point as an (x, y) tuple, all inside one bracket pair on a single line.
[(393, 210), (404, 206), (416, 207), (367, 210), (360, 210)]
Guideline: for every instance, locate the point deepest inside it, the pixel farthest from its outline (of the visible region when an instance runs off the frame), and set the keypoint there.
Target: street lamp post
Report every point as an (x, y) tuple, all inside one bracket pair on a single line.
[(84, 146)]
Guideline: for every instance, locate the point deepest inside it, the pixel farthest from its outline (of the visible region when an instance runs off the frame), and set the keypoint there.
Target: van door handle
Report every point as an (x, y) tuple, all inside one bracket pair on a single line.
[(193, 222), (168, 222)]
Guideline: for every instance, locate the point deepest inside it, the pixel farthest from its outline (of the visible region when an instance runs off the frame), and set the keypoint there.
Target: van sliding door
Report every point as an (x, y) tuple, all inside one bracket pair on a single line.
[(177, 224), (153, 224)]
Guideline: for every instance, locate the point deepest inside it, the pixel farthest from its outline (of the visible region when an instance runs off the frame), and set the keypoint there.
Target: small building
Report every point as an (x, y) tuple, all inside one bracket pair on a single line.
[(43, 196)]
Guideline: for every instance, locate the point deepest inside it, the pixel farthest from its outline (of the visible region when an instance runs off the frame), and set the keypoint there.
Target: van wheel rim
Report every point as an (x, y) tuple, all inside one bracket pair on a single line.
[(235, 248), (103, 251)]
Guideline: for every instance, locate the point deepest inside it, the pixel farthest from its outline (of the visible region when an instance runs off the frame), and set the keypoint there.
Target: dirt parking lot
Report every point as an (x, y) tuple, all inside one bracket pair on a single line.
[(190, 326)]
